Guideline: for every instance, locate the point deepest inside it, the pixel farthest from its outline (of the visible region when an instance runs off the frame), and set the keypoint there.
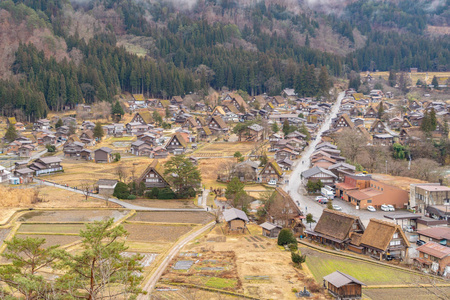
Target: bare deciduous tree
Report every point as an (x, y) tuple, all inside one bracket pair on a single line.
[(350, 142), (86, 189), (121, 172)]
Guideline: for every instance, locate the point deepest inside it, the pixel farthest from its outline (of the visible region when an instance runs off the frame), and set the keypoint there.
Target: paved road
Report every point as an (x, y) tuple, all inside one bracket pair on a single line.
[(119, 202), (294, 187), (150, 285)]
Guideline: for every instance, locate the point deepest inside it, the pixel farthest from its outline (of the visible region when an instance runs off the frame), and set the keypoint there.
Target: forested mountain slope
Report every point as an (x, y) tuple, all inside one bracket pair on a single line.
[(189, 46)]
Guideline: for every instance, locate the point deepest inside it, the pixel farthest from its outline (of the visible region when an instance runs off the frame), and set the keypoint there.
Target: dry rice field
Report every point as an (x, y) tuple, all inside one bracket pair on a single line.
[(51, 239), (72, 216), (155, 233), (224, 149), (173, 217)]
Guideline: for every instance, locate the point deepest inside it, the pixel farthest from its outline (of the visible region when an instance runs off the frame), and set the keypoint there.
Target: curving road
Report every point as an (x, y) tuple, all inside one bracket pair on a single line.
[(117, 201), (294, 187)]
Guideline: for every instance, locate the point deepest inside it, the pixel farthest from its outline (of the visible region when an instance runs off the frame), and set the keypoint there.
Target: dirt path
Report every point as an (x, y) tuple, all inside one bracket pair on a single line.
[(150, 284)]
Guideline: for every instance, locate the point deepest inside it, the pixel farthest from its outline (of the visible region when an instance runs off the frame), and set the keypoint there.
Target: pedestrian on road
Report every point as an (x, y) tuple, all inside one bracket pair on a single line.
[(306, 209)]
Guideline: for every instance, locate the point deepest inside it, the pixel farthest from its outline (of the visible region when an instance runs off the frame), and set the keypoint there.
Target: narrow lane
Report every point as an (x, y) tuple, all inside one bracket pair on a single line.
[(295, 187)]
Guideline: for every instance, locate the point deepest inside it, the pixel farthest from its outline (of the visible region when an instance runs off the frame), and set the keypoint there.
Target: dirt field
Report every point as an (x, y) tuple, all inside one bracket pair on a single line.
[(398, 181), (163, 203), (322, 264), (183, 293), (155, 233), (77, 172), (224, 149), (263, 270), (72, 216), (406, 293), (414, 76), (173, 217), (51, 228), (3, 234), (51, 240)]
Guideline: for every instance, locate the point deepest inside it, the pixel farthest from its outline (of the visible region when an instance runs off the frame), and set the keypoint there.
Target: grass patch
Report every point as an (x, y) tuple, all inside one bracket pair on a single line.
[(221, 283), (52, 228), (368, 273)]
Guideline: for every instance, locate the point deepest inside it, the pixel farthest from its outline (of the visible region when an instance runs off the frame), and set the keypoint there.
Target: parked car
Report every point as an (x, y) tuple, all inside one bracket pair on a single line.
[(391, 207), (337, 207), (389, 257), (272, 182), (371, 208), (318, 198), (323, 201), (408, 228), (420, 243), (384, 207)]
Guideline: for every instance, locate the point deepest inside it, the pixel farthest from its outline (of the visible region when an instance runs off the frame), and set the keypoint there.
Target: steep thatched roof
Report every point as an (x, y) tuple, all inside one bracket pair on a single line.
[(336, 224), (379, 234), (156, 167)]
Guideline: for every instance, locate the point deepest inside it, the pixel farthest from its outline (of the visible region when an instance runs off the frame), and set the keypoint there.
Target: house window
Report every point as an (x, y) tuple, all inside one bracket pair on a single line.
[(369, 201), (395, 236), (395, 243), (425, 255)]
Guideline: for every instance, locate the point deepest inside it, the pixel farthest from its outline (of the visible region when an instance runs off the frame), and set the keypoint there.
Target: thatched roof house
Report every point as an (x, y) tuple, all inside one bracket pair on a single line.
[(384, 238), (335, 228)]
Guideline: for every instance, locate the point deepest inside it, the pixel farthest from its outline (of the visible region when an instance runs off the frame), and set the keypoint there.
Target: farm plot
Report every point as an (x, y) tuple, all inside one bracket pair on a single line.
[(147, 258), (215, 269), (188, 203), (51, 240), (322, 264), (224, 149), (173, 217), (262, 269), (77, 172), (68, 216), (3, 234), (408, 293), (155, 233), (51, 228)]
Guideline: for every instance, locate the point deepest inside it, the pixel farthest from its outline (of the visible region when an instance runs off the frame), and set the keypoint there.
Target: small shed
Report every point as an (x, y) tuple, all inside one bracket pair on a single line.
[(106, 186), (270, 230), (236, 220), (343, 286)]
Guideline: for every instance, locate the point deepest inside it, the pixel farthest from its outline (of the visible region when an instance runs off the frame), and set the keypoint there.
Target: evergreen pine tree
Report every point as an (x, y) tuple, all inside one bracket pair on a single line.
[(98, 131), (11, 133), (435, 83)]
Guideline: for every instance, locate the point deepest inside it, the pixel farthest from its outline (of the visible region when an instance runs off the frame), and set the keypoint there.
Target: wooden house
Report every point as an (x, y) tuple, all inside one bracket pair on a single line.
[(256, 133), (286, 152), (73, 149), (434, 258), (343, 286), (335, 228), (25, 150), (25, 175), (283, 211), (203, 133), (103, 155), (162, 104), (141, 148), (176, 100), (144, 117), (218, 111), (317, 173), (270, 230), (153, 176), (384, 238), (159, 153), (378, 127), (395, 123), (271, 173), (236, 220), (176, 144), (344, 121), (217, 125), (406, 123), (371, 112), (87, 137), (46, 165), (86, 154)]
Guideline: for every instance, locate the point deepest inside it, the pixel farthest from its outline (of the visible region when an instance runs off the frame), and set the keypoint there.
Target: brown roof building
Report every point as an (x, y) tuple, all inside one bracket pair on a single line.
[(434, 258), (383, 238), (336, 228)]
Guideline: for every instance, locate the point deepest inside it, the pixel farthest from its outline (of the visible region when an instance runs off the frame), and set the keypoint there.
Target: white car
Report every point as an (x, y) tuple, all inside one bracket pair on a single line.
[(337, 207), (384, 207), (272, 182), (391, 207), (318, 198), (371, 208)]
